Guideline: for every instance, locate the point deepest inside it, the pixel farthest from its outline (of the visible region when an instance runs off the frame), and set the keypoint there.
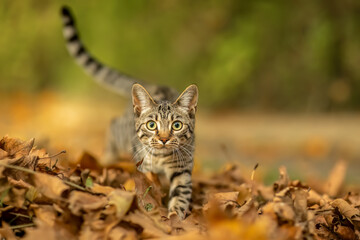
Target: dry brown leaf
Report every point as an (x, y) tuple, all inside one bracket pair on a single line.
[(46, 214), (113, 177), (336, 178), (17, 197), (348, 211), (345, 233), (313, 197), (119, 233), (129, 185), (88, 161), (226, 200), (86, 233), (300, 204), (106, 190), (244, 194), (106, 211), (322, 230), (122, 200), (50, 186), (233, 230), (284, 212), (43, 231), (225, 196), (6, 232), (128, 166), (80, 202), (16, 147), (311, 222), (3, 154), (19, 183), (353, 198), (147, 192), (25, 162), (151, 229), (283, 181), (193, 223)]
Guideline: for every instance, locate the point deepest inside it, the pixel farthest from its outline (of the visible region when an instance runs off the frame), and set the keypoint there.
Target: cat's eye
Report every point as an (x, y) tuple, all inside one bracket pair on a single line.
[(151, 125), (177, 125)]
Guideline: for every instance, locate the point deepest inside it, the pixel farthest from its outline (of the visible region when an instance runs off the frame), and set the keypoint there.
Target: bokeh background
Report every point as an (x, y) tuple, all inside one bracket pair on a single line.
[(279, 80)]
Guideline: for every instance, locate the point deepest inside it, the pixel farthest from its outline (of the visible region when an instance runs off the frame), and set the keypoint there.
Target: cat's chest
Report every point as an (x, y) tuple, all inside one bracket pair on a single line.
[(154, 162)]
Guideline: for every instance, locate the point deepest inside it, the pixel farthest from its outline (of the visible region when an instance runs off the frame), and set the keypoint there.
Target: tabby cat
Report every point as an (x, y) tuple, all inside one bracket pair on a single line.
[(158, 130)]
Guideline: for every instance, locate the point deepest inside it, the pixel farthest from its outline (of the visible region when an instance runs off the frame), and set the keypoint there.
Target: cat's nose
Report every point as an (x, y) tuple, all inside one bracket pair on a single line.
[(164, 140)]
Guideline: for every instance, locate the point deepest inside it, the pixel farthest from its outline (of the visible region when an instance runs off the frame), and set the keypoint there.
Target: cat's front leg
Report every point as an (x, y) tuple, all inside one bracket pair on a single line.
[(180, 192)]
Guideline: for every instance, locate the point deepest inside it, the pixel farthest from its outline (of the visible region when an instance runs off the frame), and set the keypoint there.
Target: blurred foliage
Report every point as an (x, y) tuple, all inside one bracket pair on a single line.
[(259, 54)]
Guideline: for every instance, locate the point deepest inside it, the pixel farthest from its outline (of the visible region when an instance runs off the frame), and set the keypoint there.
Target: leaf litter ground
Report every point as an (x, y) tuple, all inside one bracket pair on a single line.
[(41, 197)]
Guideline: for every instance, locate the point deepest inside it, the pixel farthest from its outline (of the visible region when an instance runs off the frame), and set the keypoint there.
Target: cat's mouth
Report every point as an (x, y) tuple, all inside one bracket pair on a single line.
[(165, 146)]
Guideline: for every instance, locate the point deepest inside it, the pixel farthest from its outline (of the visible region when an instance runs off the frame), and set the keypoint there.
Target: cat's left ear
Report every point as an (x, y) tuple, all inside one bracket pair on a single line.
[(141, 99), (188, 99)]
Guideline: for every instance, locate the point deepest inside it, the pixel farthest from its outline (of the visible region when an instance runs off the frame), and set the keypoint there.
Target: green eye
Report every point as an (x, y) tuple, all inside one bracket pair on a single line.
[(151, 125), (177, 125)]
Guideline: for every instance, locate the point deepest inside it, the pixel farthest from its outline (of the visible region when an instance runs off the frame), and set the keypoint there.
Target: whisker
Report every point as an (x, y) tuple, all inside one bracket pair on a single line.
[(138, 152), (187, 152)]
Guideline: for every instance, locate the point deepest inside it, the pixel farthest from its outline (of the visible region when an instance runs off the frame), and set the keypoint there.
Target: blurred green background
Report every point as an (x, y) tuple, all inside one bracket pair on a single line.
[(275, 55)]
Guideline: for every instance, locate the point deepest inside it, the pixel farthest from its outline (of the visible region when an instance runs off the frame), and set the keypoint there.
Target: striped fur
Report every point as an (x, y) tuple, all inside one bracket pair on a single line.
[(110, 78), (165, 149)]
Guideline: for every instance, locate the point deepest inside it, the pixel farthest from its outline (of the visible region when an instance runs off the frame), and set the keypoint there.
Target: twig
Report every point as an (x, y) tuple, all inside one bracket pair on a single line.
[(33, 172), (252, 179), (75, 185), (23, 226), (21, 215), (18, 168), (55, 155), (50, 157), (253, 171)]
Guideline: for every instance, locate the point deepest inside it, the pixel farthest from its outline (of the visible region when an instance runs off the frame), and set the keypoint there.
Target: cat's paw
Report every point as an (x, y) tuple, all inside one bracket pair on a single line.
[(176, 211)]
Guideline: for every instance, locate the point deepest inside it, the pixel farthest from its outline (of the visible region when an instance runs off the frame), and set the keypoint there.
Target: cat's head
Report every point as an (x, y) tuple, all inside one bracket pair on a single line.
[(165, 125)]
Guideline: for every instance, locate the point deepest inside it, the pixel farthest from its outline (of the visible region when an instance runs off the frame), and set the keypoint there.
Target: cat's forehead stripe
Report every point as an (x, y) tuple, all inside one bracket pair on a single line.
[(164, 109)]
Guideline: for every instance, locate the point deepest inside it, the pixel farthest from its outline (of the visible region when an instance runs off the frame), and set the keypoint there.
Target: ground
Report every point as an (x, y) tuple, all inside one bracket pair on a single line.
[(239, 184)]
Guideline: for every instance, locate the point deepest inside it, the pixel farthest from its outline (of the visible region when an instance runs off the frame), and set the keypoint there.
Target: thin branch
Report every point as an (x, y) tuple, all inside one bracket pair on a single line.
[(18, 168), (55, 155), (75, 185), (33, 172), (23, 226)]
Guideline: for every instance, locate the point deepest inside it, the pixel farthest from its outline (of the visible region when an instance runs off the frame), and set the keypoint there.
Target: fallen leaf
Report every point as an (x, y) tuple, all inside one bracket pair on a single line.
[(284, 212), (300, 204), (88, 161), (144, 185), (50, 186), (129, 185), (336, 178), (122, 200), (46, 214), (119, 233), (6, 232), (150, 228), (80, 202), (351, 213), (16, 147), (106, 190), (3, 154), (283, 181), (43, 230)]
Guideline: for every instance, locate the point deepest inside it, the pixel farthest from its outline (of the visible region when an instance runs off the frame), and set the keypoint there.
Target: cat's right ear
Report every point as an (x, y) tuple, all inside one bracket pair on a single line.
[(141, 99)]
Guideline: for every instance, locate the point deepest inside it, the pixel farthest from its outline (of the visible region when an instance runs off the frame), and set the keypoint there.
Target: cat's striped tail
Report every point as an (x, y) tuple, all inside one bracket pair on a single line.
[(108, 77)]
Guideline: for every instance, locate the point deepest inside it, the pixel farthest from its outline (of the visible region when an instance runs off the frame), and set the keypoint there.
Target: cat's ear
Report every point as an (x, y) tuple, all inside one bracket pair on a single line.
[(141, 99), (188, 99)]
